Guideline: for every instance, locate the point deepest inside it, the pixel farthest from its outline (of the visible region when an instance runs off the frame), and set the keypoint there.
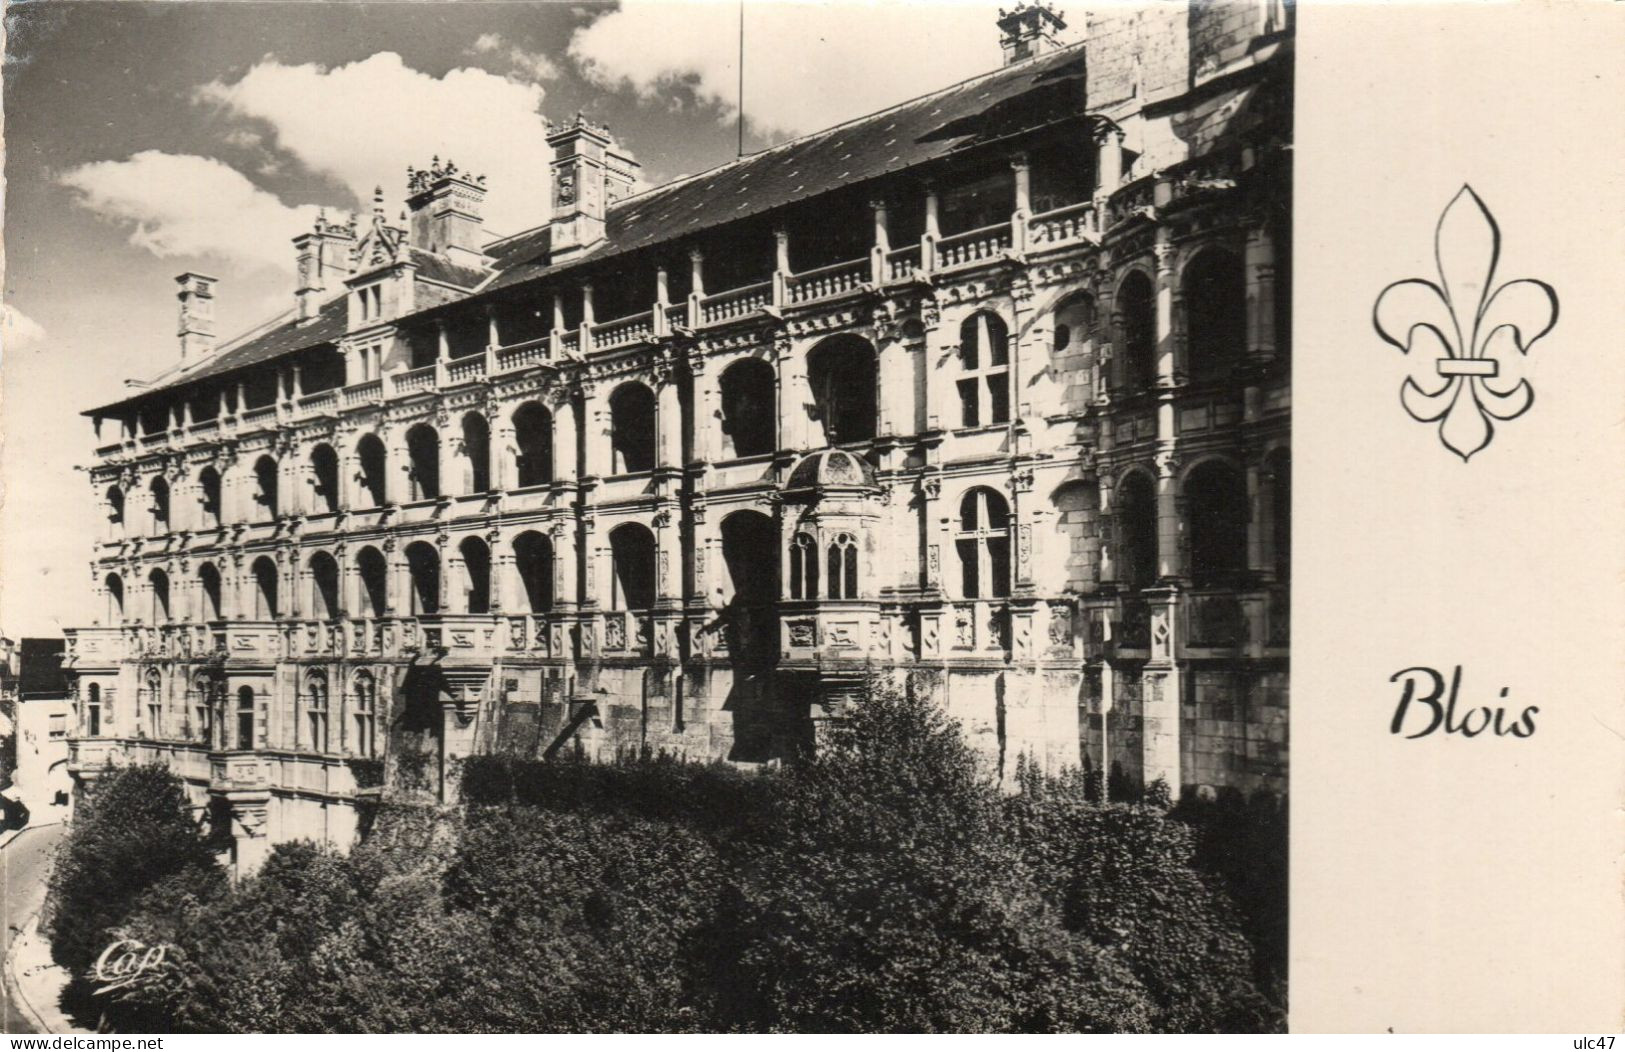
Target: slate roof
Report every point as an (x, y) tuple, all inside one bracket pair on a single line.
[(283, 338), (441, 269), (992, 106)]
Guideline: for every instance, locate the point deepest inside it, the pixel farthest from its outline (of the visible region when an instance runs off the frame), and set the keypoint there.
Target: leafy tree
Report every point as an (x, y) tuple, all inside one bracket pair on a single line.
[(1124, 876), (895, 900), (133, 830)]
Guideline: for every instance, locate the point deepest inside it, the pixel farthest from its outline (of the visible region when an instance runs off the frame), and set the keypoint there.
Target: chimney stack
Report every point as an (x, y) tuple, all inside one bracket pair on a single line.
[(445, 212), (197, 317), (590, 173), (323, 257), (1029, 30)]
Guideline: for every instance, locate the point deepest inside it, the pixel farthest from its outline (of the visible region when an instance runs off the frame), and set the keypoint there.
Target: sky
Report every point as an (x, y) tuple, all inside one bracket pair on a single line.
[(145, 139)]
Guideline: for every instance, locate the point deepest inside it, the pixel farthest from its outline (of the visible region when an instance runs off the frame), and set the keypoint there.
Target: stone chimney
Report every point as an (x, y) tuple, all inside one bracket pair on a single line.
[(444, 212), (323, 257), (197, 317), (1029, 30), (590, 172)]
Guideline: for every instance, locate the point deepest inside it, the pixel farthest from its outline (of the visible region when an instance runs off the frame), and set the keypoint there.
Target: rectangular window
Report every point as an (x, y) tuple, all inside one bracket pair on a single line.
[(59, 726), (970, 410), (998, 397)]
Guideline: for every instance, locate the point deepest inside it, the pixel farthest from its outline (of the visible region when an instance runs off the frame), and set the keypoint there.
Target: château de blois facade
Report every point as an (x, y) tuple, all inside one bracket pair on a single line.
[(986, 394)]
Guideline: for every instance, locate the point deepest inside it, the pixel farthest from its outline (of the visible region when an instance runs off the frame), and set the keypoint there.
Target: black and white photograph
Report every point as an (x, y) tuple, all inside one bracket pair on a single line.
[(661, 516)]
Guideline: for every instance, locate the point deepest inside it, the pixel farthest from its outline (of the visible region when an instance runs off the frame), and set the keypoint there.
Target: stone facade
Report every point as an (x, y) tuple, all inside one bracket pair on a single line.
[(1009, 428)]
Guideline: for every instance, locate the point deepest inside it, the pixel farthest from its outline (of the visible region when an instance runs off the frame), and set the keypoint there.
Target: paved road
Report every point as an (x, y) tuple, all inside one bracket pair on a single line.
[(23, 866)]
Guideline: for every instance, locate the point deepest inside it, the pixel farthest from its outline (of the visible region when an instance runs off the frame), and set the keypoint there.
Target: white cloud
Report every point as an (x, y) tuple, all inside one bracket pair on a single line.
[(533, 64), (18, 330), (364, 122), (808, 65), (185, 205)]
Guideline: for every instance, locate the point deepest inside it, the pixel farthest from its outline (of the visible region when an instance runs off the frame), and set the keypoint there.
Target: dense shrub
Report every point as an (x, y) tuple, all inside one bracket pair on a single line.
[(882, 884), (1123, 876), (896, 900), (132, 830)]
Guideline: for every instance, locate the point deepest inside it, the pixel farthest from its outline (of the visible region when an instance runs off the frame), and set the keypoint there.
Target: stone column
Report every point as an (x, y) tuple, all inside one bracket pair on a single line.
[(795, 430), (1023, 206), (1109, 159), (398, 594), (1257, 519), (668, 557), (451, 455), (397, 475), (668, 420), (599, 456), (896, 387), (1260, 262), (1106, 528), (707, 394), (1170, 561), (878, 271), (566, 587), (502, 448), (564, 438), (941, 398)]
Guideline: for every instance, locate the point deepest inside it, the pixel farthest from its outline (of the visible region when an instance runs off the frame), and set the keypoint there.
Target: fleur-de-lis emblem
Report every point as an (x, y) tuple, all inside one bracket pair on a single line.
[(1465, 338)]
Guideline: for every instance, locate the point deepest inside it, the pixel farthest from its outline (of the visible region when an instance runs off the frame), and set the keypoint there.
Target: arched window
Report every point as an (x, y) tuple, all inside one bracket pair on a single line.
[(364, 713), (208, 484), (265, 589), (748, 407), (984, 362), (423, 568), (316, 711), (160, 504), (1216, 506), (93, 710), (632, 428), (1074, 324), (209, 584), (1215, 298), (983, 543), (324, 477), (245, 717), (750, 550), (1136, 513), (476, 575), (158, 585), (477, 452), (152, 698), (1137, 331), (265, 488), (370, 460), (374, 574), (113, 584), (533, 435), (533, 559), (115, 512), (803, 567), (423, 454), (632, 550), (324, 586), (842, 373), (843, 567)]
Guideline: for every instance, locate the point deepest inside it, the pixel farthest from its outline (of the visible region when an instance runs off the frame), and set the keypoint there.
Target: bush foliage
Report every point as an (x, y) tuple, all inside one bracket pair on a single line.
[(883, 884), (132, 831)]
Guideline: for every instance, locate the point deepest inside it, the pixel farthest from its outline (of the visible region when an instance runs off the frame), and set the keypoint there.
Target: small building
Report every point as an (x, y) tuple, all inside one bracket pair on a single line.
[(43, 719)]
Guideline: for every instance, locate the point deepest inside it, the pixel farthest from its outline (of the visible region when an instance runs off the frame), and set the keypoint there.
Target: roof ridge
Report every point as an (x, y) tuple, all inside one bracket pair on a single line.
[(672, 184)]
